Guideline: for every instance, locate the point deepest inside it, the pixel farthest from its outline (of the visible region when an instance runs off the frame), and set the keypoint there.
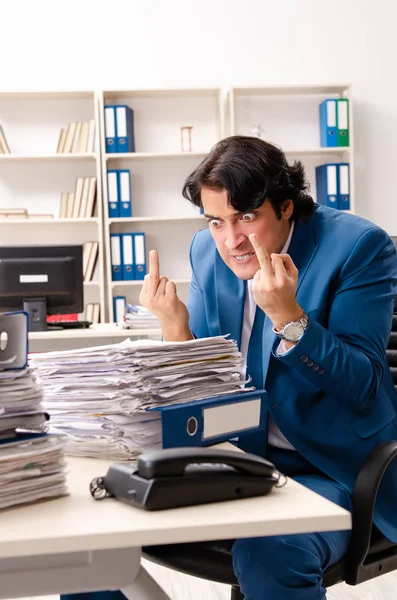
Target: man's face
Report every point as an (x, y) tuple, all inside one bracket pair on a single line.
[(230, 230)]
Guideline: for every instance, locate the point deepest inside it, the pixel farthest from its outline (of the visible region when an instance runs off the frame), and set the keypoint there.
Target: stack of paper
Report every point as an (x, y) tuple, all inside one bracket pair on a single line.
[(139, 317), (32, 469), (99, 395), (32, 466)]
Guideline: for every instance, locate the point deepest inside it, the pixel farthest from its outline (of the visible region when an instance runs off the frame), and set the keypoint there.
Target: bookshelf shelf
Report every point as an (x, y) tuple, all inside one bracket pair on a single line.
[(45, 157), (154, 155), (24, 222), (117, 284), (154, 219), (317, 151)]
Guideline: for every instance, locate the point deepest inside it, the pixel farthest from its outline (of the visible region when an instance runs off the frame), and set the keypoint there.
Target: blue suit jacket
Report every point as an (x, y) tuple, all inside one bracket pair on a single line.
[(332, 395)]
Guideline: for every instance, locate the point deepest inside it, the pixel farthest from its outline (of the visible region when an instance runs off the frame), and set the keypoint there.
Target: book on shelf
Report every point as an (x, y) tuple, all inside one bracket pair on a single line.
[(41, 217), (90, 255), (79, 204), (77, 137), (119, 128), (119, 193), (92, 312), (69, 206), (13, 213), (64, 205), (333, 185), (334, 122), (4, 147), (78, 194)]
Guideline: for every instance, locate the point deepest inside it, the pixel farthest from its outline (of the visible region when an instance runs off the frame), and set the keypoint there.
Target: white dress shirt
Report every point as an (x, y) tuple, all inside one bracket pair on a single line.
[(275, 437)]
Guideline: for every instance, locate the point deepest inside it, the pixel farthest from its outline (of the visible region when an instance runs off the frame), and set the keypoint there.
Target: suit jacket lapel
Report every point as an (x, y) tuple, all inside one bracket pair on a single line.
[(302, 249), (230, 296)]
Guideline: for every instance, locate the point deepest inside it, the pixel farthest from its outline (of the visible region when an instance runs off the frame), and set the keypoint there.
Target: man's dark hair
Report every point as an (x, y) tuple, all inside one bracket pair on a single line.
[(251, 171)]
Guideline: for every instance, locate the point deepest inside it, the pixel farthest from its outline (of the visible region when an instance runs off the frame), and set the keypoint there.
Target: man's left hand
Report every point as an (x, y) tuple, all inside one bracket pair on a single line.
[(274, 286)]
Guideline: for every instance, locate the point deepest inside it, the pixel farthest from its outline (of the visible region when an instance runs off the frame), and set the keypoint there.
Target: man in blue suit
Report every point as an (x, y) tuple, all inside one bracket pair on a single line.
[(307, 292)]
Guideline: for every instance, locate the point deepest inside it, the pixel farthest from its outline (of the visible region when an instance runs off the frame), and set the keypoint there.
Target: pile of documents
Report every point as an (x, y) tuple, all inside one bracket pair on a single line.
[(32, 469), (32, 466), (100, 396), (139, 317)]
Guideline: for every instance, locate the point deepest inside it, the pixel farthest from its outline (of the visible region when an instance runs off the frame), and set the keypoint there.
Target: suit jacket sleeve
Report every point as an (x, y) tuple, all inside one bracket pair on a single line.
[(346, 357), (196, 305)]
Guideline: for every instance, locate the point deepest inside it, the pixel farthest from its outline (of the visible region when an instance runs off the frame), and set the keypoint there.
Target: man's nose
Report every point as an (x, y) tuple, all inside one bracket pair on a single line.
[(234, 238)]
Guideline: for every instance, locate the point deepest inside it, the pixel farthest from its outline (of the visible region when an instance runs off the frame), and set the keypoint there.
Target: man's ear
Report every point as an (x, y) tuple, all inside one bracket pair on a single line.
[(287, 208)]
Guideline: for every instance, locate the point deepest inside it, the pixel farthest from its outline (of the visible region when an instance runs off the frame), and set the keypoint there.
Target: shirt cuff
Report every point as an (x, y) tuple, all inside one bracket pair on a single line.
[(282, 349)]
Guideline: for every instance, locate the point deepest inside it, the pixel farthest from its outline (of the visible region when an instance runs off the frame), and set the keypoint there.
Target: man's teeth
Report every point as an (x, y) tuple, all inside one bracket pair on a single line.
[(244, 256)]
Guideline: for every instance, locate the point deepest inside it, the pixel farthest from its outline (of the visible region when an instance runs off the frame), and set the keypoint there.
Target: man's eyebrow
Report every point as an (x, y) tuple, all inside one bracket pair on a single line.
[(236, 214)]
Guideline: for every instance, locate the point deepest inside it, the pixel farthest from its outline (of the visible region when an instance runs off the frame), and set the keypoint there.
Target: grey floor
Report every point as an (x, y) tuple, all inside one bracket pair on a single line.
[(182, 587)]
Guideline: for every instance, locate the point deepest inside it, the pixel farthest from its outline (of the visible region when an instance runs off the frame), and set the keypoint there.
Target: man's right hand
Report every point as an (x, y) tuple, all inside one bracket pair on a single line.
[(159, 295)]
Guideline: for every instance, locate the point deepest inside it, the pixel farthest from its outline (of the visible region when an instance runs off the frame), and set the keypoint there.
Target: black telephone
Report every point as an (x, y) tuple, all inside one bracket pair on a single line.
[(186, 476)]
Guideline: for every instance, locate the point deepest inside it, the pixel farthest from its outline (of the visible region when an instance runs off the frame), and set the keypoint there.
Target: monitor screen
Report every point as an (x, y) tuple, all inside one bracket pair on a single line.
[(51, 274)]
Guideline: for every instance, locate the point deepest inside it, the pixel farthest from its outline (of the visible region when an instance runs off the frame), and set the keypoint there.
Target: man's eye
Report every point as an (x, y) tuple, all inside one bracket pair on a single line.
[(214, 223), (248, 217)]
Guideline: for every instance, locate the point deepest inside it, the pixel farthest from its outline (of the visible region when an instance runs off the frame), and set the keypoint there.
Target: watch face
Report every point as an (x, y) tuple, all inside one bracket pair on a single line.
[(293, 332)]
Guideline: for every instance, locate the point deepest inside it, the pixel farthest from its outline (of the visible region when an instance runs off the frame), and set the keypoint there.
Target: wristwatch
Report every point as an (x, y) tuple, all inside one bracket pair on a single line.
[(293, 331)]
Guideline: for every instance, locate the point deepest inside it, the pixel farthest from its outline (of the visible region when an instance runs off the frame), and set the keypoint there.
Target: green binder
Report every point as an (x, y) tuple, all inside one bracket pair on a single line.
[(342, 121)]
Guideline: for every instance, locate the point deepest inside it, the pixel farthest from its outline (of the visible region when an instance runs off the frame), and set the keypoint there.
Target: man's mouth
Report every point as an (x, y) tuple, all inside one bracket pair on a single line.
[(243, 257)]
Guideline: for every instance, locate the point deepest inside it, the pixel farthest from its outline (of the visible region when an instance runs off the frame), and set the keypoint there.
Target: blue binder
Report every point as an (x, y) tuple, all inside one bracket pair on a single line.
[(14, 327), (110, 129), (128, 271), (328, 132), (125, 141), (140, 255), (213, 420), (344, 186), (119, 307), (327, 185), (116, 252), (124, 186), (113, 194)]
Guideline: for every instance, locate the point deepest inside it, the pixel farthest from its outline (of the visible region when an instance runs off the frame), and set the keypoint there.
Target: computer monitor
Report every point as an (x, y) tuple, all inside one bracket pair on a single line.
[(43, 280)]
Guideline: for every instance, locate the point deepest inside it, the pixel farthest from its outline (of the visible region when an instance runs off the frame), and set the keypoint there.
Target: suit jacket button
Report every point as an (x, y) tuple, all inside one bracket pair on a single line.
[(320, 371), (315, 367), (304, 358), (309, 363)]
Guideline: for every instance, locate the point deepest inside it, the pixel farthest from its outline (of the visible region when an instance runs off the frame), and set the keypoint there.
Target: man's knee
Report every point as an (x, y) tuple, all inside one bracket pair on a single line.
[(294, 560)]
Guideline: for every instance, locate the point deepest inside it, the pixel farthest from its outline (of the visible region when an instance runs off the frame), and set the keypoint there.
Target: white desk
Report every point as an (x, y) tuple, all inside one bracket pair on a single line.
[(77, 544), (104, 333)]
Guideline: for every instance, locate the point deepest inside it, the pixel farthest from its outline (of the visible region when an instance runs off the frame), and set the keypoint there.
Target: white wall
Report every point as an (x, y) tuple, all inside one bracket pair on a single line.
[(85, 44)]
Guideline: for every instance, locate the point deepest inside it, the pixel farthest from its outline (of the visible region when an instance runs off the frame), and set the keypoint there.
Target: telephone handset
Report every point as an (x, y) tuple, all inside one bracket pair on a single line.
[(186, 476)]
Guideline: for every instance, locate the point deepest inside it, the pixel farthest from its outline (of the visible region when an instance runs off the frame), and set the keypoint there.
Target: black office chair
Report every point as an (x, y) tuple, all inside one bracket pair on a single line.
[(370, 554)]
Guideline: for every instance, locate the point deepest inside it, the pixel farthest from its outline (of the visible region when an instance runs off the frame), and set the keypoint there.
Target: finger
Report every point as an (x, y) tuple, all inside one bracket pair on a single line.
[(170, 289), (145, 281), (154, 273), (288, 263), (278, 266), (161, 286), (262, 255), (154, 264)]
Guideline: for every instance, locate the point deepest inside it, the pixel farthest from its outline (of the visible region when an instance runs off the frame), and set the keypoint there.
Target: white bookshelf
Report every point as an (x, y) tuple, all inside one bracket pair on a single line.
[(33, 176), (289, 117), (158, 170)]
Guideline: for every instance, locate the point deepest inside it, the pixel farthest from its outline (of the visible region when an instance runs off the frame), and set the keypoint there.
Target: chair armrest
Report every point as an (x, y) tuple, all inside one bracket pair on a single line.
[(364, 497)]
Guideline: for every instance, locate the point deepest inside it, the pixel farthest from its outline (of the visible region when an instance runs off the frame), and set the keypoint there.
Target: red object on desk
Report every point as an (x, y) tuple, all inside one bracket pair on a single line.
[(52, 318)]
